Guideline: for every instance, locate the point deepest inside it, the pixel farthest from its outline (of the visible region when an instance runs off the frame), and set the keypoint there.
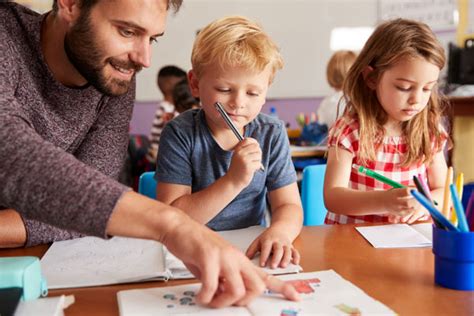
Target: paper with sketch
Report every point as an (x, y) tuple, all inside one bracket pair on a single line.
[(398, 235), (241, 238), (45, 306), (91, 261), (322, 293)]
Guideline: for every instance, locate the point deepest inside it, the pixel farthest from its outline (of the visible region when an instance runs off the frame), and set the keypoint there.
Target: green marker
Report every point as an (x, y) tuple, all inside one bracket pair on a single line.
[(377, 176)]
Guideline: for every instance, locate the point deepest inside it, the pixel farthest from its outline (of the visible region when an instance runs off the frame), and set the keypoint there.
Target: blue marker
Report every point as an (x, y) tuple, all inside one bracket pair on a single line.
[(433, 211), (462, 222)]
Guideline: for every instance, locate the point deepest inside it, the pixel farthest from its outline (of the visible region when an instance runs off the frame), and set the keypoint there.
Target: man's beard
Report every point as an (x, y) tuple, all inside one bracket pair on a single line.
[(86, 56)]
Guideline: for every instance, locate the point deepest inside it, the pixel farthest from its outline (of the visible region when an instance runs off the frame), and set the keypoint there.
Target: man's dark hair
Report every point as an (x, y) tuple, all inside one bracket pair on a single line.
[(83, 5), (87, 4)]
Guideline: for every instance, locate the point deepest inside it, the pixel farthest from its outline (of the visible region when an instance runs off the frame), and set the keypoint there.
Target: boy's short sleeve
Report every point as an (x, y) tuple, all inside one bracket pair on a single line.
[(281, 170), (173, 164), (345, 134)]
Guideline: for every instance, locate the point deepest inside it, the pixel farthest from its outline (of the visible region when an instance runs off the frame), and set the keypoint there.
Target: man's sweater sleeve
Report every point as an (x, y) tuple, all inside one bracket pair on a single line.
[(43, 182), (103, 149)]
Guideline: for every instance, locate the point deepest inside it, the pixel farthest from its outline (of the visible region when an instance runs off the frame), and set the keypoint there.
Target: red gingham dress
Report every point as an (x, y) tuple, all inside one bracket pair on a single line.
[(387, 163)]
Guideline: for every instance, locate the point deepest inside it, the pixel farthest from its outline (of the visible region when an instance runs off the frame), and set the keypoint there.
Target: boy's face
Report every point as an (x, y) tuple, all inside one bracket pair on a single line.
[(242, 92), (112, 42)]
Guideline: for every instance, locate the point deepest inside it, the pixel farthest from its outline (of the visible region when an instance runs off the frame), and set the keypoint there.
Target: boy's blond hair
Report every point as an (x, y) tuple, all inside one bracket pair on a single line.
[(391, 42), (235, 41), (338, 67)]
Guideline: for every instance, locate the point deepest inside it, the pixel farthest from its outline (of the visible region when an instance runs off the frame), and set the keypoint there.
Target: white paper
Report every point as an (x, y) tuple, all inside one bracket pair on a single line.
[(397, 235), (92, 261), (322, 293), (156, 301), (426, 229), (241, 239), (47, 306)]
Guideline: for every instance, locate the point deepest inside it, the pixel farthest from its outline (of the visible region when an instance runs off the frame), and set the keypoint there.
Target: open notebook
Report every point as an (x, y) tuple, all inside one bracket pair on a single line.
[(398, 235), (91, 261), (322, 293)]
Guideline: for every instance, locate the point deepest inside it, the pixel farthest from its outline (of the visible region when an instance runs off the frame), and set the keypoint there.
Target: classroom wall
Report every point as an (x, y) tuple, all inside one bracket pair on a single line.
[(302, 30), (287, 109)]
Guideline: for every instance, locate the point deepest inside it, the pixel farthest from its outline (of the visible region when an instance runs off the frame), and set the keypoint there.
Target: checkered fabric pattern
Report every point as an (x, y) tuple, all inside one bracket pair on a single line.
[(387, 163)]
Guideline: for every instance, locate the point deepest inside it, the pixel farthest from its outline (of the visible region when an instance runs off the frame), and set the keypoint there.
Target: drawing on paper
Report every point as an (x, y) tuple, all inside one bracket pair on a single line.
[(305, 286), (289, 311), (352, 311)]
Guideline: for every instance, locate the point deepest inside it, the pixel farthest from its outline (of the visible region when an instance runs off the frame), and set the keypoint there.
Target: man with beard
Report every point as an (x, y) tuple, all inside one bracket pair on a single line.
[(66, 95)]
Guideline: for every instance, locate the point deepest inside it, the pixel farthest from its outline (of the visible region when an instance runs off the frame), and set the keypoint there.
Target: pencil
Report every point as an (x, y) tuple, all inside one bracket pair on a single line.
[(420, 187), (378, 176), (449, 180), (437, 216), (459, 210), (425, 186), (459, 188), (231, 125)]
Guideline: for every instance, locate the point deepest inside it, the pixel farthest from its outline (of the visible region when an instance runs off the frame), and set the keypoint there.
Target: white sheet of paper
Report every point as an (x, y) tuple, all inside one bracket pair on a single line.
[(91, 261), (170, 300), (322, 293), (240, 238), (47, 306), (397, 235)]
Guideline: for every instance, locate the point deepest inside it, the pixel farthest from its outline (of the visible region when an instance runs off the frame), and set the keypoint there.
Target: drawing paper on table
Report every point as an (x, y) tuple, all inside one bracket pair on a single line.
[(322, 293), (398, 235), (91, 261), (45, 306), (241, 238)]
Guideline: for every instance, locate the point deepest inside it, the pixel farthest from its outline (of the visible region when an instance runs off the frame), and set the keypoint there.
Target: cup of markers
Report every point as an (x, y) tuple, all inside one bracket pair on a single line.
[(454, 259), (453, 245)]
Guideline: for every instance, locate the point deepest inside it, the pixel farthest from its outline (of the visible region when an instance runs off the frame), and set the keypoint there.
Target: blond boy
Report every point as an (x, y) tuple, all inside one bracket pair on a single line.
[(204, 170)]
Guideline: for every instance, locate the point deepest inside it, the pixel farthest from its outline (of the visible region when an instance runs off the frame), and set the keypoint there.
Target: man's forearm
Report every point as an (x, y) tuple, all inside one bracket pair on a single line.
[(140, 217)]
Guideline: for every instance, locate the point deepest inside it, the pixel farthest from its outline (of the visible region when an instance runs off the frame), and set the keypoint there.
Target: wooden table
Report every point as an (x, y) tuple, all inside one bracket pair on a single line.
[(308, 151), (402, 279)]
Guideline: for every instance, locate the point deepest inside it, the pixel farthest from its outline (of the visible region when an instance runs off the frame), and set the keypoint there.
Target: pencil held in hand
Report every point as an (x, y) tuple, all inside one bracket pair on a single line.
[(230, 124), (378, 176)]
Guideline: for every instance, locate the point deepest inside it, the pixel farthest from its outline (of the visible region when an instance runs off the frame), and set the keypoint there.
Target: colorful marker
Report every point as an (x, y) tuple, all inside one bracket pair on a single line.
[(437, 216), (378, 176)]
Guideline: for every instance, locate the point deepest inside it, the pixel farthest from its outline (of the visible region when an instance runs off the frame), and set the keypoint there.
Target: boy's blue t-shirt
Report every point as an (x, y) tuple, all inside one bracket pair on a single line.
[(189, 155)]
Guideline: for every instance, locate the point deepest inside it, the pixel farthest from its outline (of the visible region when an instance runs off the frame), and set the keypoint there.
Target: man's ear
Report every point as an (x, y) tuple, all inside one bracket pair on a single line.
[(193, 83), (68, 10), (369, 77)]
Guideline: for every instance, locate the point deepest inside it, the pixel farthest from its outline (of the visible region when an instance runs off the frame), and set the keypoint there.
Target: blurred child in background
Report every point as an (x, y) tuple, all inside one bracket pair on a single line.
[(167, 78), (336, 71)]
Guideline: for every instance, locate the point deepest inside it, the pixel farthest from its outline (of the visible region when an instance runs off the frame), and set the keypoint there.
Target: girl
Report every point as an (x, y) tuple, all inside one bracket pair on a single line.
[(391, 125)]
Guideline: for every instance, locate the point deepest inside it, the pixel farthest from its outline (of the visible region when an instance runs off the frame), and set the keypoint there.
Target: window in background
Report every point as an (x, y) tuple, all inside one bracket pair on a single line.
[(40, 6), (349, 38)]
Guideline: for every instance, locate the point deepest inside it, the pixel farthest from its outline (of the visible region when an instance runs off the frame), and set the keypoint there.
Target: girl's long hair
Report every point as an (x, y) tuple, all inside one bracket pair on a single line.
[(392, 41)]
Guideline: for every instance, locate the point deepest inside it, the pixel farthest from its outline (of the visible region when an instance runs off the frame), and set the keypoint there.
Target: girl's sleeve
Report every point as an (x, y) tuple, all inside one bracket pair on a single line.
[(344, 134)]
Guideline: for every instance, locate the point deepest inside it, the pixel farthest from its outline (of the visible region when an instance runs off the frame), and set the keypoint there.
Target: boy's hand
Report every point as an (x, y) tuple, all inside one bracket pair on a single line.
[(276, 250), (399, 202), (246, 159)]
